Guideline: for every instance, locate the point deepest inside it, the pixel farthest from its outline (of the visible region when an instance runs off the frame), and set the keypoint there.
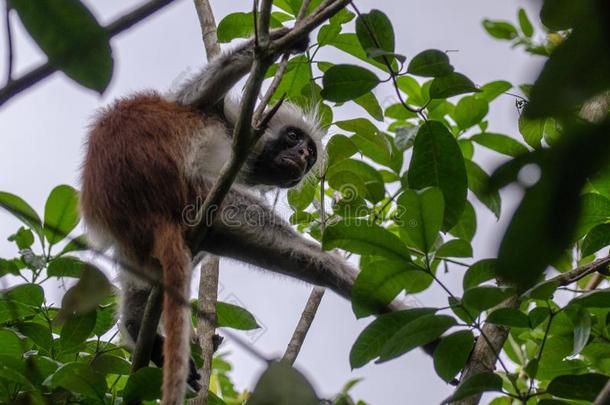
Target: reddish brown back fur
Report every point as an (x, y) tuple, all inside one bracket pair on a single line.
[(132, 176)]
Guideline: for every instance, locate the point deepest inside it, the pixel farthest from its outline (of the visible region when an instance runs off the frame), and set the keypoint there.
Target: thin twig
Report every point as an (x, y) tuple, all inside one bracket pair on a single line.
[(206, 323), (313, 302), (147, 332), (208, 28), (43, 71), (9, 43)]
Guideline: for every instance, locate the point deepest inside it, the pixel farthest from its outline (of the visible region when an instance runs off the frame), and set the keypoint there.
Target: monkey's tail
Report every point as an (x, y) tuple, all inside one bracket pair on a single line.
[(171, 251)]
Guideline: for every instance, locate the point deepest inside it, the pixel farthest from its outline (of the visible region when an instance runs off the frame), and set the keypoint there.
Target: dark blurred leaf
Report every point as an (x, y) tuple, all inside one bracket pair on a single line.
[(437, 161), (71, 37), (347, 82), (281, 384), (577, 69), (91, 289), (544, 223), (582, 330), (76, 330)]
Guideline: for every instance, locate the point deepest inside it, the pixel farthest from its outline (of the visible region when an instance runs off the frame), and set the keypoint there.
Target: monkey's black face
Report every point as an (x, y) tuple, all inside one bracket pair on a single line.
[(285, 160)]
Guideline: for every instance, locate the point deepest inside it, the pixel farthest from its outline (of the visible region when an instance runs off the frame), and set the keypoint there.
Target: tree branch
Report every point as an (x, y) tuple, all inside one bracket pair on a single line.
[(300, 332), (208, 28), (206, 323), (148, 329), (43, 71), (9, 43)]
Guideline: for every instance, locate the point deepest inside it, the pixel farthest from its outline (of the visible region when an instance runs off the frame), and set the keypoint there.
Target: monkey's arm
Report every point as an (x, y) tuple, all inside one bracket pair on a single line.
[(247, 230)]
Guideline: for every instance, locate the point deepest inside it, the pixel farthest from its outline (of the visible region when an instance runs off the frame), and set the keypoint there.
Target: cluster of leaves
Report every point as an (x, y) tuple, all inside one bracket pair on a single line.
[(406, 220)]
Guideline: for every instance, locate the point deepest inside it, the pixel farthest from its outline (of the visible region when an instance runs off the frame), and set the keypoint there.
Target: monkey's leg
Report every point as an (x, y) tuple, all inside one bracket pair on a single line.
[(247, 230)]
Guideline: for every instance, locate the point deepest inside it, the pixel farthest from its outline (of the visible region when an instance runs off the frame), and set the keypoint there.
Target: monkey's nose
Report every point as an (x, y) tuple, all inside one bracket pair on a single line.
[(304, 153)]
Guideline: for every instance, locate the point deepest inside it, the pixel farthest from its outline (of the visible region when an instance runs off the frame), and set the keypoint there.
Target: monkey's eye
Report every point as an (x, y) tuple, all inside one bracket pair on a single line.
[(292, 135)]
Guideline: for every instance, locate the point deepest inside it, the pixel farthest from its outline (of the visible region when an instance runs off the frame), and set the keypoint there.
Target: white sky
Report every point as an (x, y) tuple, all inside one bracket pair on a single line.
[(41, 145)]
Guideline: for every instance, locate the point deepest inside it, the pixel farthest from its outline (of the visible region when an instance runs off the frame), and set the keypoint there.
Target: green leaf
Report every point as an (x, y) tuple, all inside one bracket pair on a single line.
[(72, 39), (593, 299), (76, 330), (239, 25), (583, 386), (24, 238), (452, 353), (455, 248), (532, 130), (365, 238), (420, 214), (28, 294), (509, 317), (467, 225), (430, 63), (375, 31), (478, 273), (595, 210), (414, 334), (378, 283), (109, 364), (281, 384), (21, 210), (451, 85), (143, 385), (525, 24), (349, 43), (582, 330), (370, 342), (65, 266), (10, 344), (482, 382), (563, 14), (500, 143), (347, 82), (437, 161), (485, 297), (596, 239), (340, 147), (470, 111), (500, 29), (371, 105), (492, 90), (300, 197), (236, 317), (542, 291), (359, 172), (79, 378), (60, 213), (477, 183), (405, 136), (39, 334)]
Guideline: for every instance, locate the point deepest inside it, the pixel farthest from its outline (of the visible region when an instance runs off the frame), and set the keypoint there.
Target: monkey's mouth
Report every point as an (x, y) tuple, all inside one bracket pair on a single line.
[(294, 168)]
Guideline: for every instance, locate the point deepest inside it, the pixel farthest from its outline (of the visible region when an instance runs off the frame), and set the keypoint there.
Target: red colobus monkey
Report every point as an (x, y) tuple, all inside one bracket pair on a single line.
[(150, 157)]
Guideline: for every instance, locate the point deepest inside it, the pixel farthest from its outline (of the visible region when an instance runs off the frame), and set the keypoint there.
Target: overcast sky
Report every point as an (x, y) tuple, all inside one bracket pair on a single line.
[(42, 132)]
